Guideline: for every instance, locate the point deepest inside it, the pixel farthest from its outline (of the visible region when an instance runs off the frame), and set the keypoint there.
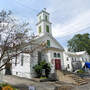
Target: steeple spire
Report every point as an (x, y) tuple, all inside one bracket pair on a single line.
[(43, 25)]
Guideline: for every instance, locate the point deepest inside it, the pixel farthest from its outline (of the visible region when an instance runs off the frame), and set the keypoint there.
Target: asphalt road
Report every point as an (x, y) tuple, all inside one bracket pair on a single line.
[(23, 84)]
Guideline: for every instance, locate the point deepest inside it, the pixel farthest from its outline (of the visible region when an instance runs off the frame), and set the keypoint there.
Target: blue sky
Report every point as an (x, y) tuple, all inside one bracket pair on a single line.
[(68, 17)]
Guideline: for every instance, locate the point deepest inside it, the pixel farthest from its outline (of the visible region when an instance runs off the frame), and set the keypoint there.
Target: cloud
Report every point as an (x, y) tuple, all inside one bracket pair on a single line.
[(76, 24), (68, 16)]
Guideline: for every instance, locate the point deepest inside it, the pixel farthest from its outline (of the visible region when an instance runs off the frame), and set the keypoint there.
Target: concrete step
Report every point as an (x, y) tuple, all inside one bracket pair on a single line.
[(78, 80), (72, 77), (82, 83)]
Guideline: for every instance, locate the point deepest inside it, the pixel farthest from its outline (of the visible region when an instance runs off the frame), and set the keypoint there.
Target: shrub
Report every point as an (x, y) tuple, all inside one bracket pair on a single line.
[(80, 71), (3, 84), (38, 70), (42, 65)]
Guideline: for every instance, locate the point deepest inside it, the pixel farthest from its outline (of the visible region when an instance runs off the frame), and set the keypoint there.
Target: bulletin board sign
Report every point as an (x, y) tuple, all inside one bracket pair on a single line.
[(32, 88)]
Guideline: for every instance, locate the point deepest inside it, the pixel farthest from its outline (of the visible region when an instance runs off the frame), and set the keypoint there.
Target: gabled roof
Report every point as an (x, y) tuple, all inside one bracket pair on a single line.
[(49, 35), (56, 42), (75, 53), (43, 12)]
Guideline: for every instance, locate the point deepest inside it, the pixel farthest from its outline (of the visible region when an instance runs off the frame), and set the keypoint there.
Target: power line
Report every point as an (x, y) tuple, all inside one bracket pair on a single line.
[(22, 5)]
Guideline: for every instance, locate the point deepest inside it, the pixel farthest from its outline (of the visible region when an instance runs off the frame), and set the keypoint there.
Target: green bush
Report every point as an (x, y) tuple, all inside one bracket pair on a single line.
[(38, 70), (80, 71), (42, 65), (3, 84)]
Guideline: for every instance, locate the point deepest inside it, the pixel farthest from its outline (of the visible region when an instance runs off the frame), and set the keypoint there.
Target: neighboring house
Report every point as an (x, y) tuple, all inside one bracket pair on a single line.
[(75, 60)]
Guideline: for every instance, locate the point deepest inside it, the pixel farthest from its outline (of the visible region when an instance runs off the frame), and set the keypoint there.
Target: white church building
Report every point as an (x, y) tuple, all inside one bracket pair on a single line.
[(54, 53)]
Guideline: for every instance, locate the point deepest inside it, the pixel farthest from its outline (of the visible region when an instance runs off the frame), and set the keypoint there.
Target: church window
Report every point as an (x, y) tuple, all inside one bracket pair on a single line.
[(0, 37), (16, 61), (40, 18), (39, 57), (48, 43), (68, 66), (54, 54), (58, 55), (46, 18), (75, 59), (22, 58), (40, 29), (72, 59), (16, 73), (47, 28), (67, 59)]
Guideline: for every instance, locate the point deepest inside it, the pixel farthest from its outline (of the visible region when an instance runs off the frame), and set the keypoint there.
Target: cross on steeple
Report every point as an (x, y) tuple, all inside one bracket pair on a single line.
[(44, 9)]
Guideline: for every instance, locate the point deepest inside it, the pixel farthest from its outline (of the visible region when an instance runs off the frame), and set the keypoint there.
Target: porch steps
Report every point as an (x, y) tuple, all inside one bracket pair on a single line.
[(78, 80), (70, 78)]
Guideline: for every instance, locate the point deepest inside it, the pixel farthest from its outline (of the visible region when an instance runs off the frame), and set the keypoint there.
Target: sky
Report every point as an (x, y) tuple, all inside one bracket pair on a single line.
[(68, 17)]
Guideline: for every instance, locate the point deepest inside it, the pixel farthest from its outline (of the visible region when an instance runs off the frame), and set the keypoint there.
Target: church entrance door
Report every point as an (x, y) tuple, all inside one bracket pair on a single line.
[(57, 64)]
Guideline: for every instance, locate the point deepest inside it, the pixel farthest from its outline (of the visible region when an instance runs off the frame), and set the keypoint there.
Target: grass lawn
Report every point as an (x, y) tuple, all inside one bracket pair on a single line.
[(43, 77)]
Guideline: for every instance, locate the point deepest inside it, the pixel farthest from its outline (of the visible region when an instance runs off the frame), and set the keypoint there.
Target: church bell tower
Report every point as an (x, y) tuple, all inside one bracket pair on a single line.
[(43, 25)]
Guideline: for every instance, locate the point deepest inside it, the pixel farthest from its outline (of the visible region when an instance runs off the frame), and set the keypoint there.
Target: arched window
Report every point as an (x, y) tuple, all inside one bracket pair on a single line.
[(68, 66), (58, 55), (54, 54)]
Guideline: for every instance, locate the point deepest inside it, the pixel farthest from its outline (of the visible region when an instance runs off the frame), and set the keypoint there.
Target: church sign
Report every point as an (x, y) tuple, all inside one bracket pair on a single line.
[(32, 88)]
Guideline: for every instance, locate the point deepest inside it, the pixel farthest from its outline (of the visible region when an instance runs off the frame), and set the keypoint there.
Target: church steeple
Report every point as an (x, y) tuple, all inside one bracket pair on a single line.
[(43, 25)]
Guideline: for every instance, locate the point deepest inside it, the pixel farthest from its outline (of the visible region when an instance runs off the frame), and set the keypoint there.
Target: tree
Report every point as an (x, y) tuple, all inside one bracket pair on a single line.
[(15, 38), (80, 42)]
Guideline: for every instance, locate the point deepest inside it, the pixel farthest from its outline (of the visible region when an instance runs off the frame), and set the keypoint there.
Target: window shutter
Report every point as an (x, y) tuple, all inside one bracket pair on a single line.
[(46, 18), (40, 18), (48, 43), (47, 28), (40, 29)]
